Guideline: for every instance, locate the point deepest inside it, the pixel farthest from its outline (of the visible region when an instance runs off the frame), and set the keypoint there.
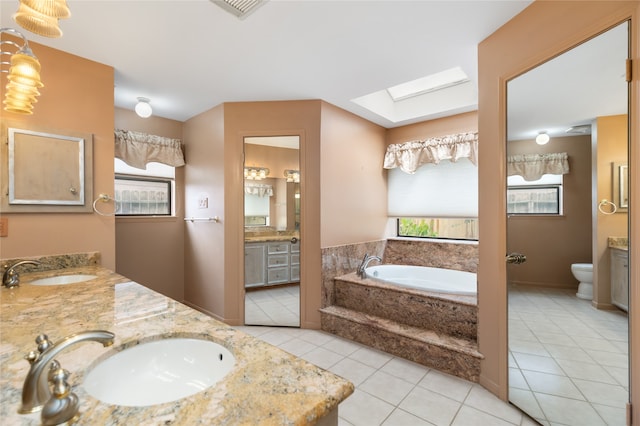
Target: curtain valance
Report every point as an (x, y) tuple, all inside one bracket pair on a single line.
[(260, 189), (137, 149), (533, 166), (411, 155)]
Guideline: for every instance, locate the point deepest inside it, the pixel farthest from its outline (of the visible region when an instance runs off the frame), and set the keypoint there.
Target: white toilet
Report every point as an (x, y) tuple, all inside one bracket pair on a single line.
[(583, 272)]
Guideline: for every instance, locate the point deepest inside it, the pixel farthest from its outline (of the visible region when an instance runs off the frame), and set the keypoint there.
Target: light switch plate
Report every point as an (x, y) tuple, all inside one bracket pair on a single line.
[(203, 202)]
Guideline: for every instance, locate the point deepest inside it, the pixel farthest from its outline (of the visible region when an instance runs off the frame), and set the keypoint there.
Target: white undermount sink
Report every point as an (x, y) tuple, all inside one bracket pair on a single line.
[(159, 371), (63, 279)]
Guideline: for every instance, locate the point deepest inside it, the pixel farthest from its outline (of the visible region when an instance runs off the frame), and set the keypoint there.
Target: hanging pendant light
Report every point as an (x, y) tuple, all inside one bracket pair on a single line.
[(41, 16), (23, 79)]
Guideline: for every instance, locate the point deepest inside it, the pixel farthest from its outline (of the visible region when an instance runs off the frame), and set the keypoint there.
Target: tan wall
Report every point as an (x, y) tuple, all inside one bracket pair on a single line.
[(277, 160), (354, 185), (150, 251), (215, 165), (204, 249), (611, 142), (553, 243), (505, 54), (461, 123), (77, 96)]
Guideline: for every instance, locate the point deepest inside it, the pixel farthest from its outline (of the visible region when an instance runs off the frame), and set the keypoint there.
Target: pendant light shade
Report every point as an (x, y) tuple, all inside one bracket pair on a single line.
[(54, 8), (23, 77), (41, 16)]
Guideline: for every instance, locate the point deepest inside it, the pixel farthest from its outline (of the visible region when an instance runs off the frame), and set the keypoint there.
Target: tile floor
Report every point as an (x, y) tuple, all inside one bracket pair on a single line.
[(568, 362), (391, 390), (274, 306)]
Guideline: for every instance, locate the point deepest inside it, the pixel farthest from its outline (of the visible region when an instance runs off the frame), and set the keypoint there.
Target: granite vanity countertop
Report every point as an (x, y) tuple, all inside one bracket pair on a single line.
[(268, 238), (268, 386), (620, 243)]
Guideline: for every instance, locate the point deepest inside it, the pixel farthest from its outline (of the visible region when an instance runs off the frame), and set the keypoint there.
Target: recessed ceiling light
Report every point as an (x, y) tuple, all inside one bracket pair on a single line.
[(429, 83)]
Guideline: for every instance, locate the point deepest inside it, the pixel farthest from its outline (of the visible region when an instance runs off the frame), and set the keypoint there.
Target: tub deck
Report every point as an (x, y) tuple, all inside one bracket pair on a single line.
[(435, 329)]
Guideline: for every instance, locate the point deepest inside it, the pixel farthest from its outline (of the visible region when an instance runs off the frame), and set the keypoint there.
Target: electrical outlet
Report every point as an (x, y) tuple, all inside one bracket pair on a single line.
[(203, 202)]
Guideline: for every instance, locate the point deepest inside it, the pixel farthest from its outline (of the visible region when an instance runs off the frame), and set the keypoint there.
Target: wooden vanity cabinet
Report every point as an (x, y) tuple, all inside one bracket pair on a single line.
[(255, 255), (620, 278), (271, 263)]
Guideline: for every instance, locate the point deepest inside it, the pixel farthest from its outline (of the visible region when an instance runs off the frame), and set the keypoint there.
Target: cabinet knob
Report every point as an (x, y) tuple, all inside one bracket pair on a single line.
[(294, 240)]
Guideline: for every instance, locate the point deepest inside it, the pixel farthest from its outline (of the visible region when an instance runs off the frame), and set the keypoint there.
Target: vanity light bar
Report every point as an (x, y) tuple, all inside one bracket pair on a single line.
[(256, 173)]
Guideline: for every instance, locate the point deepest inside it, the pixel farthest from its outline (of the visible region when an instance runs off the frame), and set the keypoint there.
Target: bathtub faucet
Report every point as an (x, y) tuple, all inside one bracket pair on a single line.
[(365, 262)]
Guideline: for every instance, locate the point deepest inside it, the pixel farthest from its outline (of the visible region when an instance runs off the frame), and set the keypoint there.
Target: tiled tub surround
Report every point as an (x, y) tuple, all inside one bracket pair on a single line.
[(267, 386), (434, 329)]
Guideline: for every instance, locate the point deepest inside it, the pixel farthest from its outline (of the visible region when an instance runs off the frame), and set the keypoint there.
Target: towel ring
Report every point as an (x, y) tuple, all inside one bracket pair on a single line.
[(604, 203), (104, 198)]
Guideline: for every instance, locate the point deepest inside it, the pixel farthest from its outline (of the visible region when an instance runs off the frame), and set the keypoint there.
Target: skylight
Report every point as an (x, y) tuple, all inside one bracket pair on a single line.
[(437, 95), (430, 83)]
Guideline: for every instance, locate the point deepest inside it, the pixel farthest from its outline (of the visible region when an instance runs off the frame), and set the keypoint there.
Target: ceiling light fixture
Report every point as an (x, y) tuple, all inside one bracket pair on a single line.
[(143, 108), (542, 138), (41, 16), (23, 79)]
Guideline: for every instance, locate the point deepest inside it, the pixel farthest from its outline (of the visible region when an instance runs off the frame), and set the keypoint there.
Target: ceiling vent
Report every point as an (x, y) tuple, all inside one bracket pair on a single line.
[(583, 129), (240, 8)]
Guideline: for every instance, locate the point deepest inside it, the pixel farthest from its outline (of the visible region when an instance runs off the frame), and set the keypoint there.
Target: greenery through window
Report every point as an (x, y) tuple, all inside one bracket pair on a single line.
[(453, 229)]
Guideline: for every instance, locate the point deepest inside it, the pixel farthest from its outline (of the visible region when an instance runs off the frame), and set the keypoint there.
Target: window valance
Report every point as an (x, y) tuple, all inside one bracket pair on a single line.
[(261, 189), (533, 166), (411, 155), (137, 149)]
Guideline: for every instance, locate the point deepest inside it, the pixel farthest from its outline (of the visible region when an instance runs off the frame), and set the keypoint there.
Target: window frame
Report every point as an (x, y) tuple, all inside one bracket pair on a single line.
[(443, 238), (558, 196), (155, 179)]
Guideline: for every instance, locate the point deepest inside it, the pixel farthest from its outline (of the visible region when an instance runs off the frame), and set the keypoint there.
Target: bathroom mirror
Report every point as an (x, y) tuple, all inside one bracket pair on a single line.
[(620, 190), (272, 230), (568, 349), (46, 171)]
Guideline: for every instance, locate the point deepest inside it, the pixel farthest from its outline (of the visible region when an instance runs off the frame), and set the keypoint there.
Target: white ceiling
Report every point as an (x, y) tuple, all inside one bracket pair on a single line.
[(188, 56), (572, 89)]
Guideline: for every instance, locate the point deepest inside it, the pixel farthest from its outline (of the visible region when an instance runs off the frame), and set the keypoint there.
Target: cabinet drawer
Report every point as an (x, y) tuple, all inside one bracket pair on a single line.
[(278, 275), (295, 259), (277, 260), (295, 247), (277, 248), (295, 273)]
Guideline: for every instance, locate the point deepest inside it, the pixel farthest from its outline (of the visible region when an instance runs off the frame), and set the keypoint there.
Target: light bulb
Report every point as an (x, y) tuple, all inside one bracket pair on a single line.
[(143, 108), (542, 138)]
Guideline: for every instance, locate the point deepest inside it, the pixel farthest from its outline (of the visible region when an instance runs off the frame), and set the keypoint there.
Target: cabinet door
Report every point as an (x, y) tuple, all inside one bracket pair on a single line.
[(620, 279), (255, 265)]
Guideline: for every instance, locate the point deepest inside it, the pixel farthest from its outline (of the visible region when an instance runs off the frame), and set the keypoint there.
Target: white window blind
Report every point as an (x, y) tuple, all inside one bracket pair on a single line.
[(446, 189)]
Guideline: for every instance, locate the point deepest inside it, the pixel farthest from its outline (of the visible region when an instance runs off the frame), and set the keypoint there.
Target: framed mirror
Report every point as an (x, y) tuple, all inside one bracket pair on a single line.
[(272, 254), (46, 171), (568, 346)]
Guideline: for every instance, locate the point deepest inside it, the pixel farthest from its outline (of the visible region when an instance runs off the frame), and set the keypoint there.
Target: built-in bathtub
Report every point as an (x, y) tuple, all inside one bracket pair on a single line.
[(437, 280)]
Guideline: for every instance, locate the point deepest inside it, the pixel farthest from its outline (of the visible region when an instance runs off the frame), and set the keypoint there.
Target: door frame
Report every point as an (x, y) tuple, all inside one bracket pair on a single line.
[(557, 34)]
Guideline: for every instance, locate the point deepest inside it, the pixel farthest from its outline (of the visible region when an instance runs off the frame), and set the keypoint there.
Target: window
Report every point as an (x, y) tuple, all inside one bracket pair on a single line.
[(142, 196), (533, 200), (453, 229), (144, 192), (542, 196)]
